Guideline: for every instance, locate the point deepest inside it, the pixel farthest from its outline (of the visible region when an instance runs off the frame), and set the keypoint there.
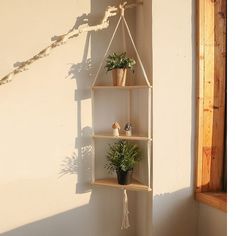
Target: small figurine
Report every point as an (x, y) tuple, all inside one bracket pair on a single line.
[(116, 128), (128, 129)]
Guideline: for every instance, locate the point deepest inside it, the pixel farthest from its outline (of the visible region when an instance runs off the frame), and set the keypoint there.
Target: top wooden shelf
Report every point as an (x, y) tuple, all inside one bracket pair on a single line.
[(122, 87)]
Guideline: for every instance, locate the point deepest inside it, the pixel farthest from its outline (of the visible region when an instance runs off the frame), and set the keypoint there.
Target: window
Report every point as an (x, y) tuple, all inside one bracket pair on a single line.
[(211, 90)]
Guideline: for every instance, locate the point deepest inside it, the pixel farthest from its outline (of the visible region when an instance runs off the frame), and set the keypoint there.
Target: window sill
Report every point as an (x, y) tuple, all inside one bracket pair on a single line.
[(216, 200)]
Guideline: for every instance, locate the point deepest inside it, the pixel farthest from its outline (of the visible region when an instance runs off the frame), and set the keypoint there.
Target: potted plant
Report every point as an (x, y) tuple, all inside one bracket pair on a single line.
[(119, 63), (122, 157)]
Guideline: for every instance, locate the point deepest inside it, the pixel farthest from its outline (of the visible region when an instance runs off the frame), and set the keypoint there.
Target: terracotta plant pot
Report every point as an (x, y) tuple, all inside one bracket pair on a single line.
[(119, 77), (124, 177)]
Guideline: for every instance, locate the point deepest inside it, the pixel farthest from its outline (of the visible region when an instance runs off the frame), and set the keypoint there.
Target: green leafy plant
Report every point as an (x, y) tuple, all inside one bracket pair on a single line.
[(115, 61), (122, 156)]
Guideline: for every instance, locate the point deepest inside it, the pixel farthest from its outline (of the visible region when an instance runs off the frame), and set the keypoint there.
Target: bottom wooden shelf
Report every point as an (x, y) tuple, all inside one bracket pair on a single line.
[(112, 182)]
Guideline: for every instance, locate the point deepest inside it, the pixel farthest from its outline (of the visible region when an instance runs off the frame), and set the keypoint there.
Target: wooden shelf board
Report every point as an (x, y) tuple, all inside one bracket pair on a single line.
[(217, 200), (112, 182), (134, 137), (122, 87)]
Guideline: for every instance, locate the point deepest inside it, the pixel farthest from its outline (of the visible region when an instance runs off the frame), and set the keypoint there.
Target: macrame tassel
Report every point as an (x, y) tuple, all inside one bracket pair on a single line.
[(125, 221)]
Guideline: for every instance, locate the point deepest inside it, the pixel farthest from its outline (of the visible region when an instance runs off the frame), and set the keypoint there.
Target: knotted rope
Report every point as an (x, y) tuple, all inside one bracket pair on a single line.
[(125, 220), (122, 8)]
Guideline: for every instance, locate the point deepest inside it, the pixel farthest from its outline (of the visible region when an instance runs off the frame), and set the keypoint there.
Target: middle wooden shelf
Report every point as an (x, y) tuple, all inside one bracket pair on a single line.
[(133, 137), (121, 87)]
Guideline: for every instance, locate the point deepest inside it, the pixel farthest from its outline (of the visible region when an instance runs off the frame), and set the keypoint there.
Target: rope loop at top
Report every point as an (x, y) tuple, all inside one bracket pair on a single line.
[(122, 8)]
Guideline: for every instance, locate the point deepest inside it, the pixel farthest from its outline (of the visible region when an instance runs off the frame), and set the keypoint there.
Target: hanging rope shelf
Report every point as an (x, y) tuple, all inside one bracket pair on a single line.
[(62, 39), (125, 217)]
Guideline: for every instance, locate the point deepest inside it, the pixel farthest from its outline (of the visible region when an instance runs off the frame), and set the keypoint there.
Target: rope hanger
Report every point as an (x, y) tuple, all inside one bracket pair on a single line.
[(125, 221), (122, 17)]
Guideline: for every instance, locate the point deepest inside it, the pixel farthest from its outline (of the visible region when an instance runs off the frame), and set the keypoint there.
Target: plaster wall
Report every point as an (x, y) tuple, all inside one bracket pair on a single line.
[(45, 124), (45, 159), (144, 44), (211, 221), (174, 207), (175, 211)]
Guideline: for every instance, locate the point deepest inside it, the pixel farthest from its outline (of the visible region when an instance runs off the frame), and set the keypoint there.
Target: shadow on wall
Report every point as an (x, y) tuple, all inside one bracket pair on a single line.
[(84, 74), (102, 210), (80, 163), (176, 213), (82, 20), (72, 222)]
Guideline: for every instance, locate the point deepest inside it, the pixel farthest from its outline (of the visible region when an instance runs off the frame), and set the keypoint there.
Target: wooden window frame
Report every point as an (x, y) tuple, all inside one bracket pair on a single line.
[(210, 99)]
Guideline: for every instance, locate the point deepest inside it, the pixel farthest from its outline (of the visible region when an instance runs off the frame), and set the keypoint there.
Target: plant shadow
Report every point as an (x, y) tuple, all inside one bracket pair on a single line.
[(80, 162)]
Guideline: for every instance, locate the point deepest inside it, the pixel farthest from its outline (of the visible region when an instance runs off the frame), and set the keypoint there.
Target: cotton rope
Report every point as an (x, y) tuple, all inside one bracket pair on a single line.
[(105, 54), (123, 37), (125, 220), (136, 51), (124, 23)]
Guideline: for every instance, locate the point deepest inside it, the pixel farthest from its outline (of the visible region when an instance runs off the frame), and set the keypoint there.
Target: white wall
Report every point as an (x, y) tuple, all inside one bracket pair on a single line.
[(174, 209), (211, 221), (45, 123), (144, 44)]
